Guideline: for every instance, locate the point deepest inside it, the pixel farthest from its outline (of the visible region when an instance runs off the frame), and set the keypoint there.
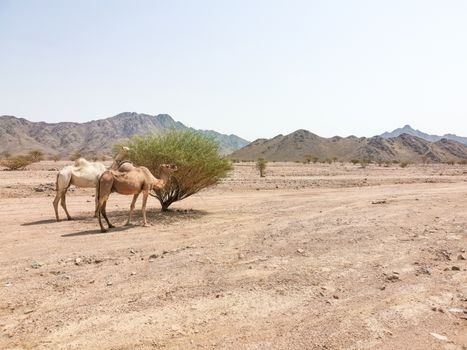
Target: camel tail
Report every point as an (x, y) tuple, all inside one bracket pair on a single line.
[(56, 182)]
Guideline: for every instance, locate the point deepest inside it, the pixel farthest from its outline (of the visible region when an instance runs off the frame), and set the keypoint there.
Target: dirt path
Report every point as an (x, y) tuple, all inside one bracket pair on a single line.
[(327, 268)]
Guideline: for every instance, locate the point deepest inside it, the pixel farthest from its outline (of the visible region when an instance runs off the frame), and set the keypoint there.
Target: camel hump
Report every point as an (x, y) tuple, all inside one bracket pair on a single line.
[(81, 162)]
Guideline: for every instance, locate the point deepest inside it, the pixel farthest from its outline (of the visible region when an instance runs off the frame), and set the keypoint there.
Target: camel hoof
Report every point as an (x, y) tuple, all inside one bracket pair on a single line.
[(127, 224), (103, 230), (146, 225), (111, 226), (70, 218)]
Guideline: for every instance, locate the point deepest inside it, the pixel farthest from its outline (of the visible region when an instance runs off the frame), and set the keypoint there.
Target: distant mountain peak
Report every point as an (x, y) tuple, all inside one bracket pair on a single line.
[(407, 129)]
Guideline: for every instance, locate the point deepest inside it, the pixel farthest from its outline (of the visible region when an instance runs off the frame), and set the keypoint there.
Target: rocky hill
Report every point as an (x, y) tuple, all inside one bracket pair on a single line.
[(297, 145), (433, 138), (18, 135)]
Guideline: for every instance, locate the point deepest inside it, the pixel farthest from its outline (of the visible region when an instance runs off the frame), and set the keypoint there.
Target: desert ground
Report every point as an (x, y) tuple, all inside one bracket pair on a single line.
[(313, 256)]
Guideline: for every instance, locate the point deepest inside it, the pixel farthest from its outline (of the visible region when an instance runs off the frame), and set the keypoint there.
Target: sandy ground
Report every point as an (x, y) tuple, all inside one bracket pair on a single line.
[(310, 257)]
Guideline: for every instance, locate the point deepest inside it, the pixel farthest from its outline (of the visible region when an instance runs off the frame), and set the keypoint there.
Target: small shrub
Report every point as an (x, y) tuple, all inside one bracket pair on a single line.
[(17, 162), (403, 164), (450, 162), (36, 155), (261, 164), (364, 163), (56, 157), (355, 161), (311, 158), (463, 162)]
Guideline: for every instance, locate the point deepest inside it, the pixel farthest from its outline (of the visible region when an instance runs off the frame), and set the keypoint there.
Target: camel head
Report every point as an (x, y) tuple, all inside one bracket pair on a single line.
[(167, 168)]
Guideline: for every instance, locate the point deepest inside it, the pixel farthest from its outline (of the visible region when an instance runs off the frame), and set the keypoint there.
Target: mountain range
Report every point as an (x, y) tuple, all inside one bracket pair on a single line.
[(18, 135), (433, 138), (404, 147)]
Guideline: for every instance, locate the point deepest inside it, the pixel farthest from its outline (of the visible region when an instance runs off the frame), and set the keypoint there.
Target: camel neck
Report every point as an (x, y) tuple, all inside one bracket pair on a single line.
[(164, 177)]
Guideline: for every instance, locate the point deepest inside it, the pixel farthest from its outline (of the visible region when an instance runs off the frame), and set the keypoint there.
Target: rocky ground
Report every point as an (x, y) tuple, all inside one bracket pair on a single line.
[(310, 257)]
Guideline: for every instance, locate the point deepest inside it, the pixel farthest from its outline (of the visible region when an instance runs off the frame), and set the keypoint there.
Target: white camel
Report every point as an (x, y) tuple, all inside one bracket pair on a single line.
[(83, 174)]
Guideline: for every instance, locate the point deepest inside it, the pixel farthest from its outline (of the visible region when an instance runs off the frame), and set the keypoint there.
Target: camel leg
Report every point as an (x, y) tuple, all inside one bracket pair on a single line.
[(104, 213), (56, 200), (132, 207), (63, 203), (97, 202), (99, 209), (143, 208)]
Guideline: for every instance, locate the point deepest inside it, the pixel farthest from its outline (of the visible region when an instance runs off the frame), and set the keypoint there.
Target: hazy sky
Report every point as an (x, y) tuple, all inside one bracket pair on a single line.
[(253, 68)]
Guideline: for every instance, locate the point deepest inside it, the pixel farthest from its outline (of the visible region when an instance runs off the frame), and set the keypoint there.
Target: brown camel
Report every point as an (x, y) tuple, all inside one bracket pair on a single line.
[(134, 181)]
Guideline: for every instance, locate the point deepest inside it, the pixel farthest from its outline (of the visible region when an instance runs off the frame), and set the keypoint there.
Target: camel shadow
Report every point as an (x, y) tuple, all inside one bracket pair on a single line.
[(168, 217), (51, 221), (97, 231)]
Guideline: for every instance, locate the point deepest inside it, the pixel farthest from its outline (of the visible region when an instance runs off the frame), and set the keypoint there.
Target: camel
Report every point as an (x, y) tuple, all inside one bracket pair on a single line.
[(83, 174), (133, 182)]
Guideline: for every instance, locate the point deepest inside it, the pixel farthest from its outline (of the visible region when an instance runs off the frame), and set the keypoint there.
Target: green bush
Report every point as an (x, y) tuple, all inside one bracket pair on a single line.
[(36, 155), (311, 158), (195, 155), (16, 162), (261, 164), (403, 164)]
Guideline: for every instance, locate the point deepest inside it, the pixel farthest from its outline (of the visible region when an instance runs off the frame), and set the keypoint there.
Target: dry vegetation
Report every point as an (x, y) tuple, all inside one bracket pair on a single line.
[(312, 256)]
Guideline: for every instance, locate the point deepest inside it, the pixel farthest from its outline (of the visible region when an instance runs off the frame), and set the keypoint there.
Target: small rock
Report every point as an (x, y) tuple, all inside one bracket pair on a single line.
[(133, 273), (28, 311), (423, 271), (393, 278), (455, 268), (300, 251), (460, 257), (109, 283), (8, 284), (152, 257), (241, 256), (439, 336), (382, 287), (78, 261), (335, 296), (36, 264)]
